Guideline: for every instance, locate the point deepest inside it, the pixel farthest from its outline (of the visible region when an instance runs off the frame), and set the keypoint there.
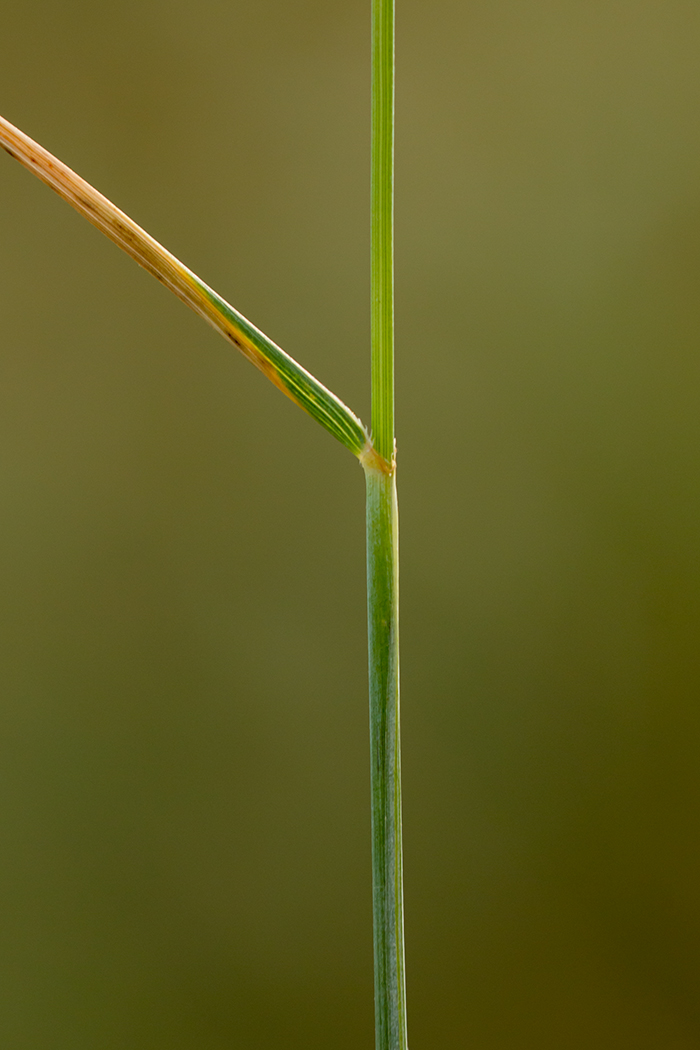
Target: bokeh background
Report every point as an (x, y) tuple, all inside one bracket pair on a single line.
[(184, 771)]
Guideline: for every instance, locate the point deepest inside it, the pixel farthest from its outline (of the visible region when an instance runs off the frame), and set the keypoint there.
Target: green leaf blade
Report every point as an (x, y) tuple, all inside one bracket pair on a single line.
[(286, 373)]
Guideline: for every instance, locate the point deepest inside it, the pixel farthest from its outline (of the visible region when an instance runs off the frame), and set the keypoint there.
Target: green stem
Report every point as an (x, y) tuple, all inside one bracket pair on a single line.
[(383, 563), (382, 227), (385, 759)]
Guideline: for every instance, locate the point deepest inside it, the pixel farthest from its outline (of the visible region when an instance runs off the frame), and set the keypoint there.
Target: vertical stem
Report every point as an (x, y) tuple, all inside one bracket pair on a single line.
[(383, 564), (385, 756), (382, 227)]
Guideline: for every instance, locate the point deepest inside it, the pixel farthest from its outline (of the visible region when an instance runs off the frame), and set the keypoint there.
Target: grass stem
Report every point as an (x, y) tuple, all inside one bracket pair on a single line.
[(385, 760), (382, 227), (383, 564)]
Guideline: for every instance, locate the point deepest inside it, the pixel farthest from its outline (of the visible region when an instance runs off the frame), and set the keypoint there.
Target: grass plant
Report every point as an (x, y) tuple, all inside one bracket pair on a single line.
[(376, 454)]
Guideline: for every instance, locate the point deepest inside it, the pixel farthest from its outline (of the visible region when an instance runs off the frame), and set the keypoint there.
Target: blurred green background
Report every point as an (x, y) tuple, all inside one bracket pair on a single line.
[(184, 771)]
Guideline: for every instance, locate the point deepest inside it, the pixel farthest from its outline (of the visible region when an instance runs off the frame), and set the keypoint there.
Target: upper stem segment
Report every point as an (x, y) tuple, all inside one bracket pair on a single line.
[(382, 227)]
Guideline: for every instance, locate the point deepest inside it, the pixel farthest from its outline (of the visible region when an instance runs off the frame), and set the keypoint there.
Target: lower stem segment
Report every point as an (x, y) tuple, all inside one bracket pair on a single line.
[(385, 754)]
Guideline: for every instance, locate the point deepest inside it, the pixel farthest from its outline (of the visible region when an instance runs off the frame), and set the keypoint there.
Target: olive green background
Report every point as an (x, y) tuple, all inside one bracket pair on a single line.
[(184, 773)]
